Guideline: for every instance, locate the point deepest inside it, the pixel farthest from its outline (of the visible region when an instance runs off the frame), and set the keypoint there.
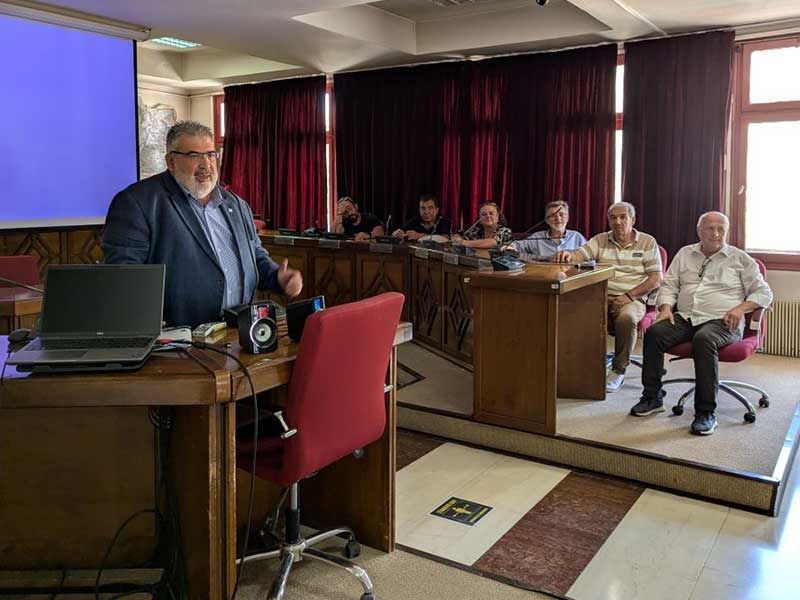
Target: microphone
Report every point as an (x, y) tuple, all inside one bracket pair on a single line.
[(539, 224), (474, 224), (388, 220), (435, 225), (22, 285)]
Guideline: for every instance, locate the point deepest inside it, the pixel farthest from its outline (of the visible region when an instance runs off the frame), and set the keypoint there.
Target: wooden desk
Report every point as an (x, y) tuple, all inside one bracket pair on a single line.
[(438, 303), (77, 458), (18, 308), (539, 333)]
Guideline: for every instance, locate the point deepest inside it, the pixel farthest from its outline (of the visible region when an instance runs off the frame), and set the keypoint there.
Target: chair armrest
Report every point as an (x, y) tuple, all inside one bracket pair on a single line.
[(755, 319)]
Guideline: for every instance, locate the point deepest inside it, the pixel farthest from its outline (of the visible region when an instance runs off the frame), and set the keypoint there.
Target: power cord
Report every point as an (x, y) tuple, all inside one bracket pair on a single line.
[(251, 492)]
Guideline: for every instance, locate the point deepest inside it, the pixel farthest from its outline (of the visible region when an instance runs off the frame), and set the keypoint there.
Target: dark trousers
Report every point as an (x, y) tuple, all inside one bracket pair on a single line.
[(706, 340)]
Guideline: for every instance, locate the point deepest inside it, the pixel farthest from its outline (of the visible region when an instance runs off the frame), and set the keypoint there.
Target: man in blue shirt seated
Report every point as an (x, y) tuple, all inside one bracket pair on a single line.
[(427, 223), (544, 244)]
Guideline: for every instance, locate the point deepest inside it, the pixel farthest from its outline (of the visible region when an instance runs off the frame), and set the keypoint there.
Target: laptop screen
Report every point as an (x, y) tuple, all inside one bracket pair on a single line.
[(107, 299)]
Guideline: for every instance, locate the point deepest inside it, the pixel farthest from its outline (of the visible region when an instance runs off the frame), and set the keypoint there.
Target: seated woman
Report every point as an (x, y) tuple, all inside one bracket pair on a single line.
[(544, 244), (491, 230)]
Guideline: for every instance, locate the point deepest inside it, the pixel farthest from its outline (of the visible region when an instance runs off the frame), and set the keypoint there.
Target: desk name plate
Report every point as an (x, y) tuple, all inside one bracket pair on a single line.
[(335, 244), (450, 259), (378, 247), (421, 253)]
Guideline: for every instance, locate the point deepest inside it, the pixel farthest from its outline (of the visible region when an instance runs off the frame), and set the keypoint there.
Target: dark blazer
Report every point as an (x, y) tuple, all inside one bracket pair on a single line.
[(152, 222)]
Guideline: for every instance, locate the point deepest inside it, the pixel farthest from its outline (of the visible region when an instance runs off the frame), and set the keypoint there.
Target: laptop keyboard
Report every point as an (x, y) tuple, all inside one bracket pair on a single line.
[(96, 343)]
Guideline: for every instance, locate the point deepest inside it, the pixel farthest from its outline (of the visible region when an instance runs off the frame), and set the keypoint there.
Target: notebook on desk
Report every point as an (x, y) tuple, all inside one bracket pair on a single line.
[(96, 318)]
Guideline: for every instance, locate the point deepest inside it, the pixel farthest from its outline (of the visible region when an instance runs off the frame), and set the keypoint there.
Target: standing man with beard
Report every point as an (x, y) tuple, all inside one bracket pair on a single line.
[(205, 236)]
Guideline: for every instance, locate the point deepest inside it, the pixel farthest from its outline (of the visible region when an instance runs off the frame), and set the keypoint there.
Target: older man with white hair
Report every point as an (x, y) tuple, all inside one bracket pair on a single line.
[(714, 286)]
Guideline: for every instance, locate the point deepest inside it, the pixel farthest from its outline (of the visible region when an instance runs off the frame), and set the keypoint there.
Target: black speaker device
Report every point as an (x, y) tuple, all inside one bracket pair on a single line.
[(258, 329), (298, 312)]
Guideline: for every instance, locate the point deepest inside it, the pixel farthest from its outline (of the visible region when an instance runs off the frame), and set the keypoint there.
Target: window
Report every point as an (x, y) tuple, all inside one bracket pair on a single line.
[(219, 121), (765, 204)]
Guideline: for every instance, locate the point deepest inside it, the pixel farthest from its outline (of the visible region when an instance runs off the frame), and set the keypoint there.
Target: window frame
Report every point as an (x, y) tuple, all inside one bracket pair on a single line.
[(744, 113), (219, 140)]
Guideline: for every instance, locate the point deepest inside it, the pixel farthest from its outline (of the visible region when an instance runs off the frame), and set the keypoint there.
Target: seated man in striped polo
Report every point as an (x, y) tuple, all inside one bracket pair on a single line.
[(637, 261)]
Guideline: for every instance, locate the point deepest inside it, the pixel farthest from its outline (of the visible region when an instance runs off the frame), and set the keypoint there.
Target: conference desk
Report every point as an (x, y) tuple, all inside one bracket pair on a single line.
[(438, 300), (78, 456), (540, 333), (18, 308), (528, 336)]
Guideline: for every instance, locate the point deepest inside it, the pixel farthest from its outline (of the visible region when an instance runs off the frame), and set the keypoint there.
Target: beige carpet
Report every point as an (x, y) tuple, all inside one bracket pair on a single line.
[(446, 386), (735, 444), (396, 576)]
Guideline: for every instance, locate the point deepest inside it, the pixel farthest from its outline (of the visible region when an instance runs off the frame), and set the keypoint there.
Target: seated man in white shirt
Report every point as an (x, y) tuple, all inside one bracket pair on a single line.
[(714, 285)]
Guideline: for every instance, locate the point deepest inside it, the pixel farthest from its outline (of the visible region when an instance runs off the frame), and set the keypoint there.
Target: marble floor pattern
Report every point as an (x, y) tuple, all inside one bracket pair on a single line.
[(589, 537)]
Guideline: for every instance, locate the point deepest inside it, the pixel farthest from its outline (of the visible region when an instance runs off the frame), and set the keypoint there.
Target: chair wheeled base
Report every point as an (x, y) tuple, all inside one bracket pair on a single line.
[(727, 386), (294, 548)]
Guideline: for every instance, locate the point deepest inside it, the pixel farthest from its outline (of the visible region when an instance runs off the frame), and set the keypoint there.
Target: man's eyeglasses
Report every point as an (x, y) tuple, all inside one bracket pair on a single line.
[(198, 156), (703, 268)]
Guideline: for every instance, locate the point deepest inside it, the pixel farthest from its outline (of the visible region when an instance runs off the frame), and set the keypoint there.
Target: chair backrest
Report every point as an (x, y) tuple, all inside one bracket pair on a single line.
[(336, 395), (21, 268), (756, 322)]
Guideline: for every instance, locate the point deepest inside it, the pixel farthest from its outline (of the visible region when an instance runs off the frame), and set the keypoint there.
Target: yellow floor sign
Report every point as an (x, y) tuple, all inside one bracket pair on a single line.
[(462, 511)]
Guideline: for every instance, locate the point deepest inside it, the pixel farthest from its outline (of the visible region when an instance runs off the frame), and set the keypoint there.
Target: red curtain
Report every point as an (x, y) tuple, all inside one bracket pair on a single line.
[(390, 131), (676, 105), (274, 153), (519, 131)]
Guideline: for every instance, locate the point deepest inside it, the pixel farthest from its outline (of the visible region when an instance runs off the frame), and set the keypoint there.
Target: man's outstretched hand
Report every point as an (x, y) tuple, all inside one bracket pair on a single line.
[(290, 280)]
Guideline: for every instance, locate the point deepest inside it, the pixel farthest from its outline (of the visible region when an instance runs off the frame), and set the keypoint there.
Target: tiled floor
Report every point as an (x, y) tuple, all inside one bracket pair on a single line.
[(589, 537)]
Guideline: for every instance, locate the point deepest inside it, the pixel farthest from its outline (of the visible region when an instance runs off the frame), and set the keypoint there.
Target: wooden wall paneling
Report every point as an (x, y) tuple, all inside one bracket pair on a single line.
[(298, 259), (427, 301), (333, 276), (458, 313), (377, 273), (83, 246), (45, 246), (82, 473)]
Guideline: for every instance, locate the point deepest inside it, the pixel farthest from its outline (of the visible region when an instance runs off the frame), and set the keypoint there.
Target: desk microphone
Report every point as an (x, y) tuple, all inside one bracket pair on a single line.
[(388, 220), (22, 285), (435, 225), (539, 224), (473, 225)]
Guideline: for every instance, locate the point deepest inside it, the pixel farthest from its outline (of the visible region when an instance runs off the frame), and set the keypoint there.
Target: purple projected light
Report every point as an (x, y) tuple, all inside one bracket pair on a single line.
[(69, 123)]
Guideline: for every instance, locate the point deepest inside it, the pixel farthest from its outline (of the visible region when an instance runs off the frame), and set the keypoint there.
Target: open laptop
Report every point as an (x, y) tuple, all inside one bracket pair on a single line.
[(96, 318)]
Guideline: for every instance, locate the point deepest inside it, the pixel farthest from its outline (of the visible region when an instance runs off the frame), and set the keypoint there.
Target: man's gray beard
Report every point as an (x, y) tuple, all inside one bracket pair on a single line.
[(196, 189)]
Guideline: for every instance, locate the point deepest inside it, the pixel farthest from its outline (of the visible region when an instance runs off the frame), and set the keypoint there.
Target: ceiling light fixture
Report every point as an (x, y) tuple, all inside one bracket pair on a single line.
[(175, 42), (127, 32)]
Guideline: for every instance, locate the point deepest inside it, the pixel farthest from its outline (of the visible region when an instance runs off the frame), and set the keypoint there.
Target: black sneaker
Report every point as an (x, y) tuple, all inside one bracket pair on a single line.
[(704, 423), (647, 407)]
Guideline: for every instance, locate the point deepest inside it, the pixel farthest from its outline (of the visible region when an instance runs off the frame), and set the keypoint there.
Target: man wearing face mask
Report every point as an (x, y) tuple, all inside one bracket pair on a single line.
[(204, 234), (713, 285)]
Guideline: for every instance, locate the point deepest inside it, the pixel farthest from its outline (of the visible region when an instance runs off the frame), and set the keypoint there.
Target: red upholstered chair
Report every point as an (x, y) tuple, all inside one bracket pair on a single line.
[(21, 268), (337, 405), (260, 225), (647, 320), (752, 340)]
